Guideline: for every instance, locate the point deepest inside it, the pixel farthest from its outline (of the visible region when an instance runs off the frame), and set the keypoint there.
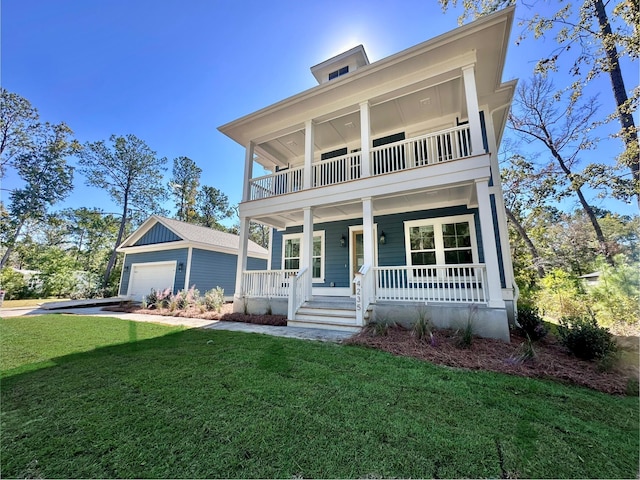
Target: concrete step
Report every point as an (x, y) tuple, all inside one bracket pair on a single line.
[(323, 325), (326, 312)]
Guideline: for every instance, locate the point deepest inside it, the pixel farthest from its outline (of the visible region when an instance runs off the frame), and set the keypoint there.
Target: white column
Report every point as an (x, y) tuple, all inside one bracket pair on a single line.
[(248, 171), (369, 247), (489, 245), (241, 266), (471, 95), (306, 255), (365, 138), (309, 128)]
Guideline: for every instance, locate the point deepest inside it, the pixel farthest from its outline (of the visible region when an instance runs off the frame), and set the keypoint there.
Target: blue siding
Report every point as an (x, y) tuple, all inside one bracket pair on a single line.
[(178, 254), (157, 234), (496, 228), (215, 269), (392, 253)]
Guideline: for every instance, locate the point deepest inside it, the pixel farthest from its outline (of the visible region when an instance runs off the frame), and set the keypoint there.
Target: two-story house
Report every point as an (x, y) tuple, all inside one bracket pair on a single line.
[(383, 190)]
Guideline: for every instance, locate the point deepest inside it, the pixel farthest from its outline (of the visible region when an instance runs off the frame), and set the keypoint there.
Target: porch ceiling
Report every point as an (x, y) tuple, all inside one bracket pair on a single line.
[(382, 205), (403, 110)]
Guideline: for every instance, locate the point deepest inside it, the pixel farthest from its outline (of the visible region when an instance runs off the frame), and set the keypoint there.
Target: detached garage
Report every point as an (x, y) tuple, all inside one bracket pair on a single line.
[(167, 253)]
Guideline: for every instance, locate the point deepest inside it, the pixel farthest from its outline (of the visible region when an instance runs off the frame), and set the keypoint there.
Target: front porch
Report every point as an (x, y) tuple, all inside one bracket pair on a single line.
[(450, 296)]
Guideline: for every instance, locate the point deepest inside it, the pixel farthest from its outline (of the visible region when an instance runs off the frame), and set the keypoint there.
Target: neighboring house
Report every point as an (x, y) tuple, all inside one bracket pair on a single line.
[(165, 253), (384, 195), (591, 279)]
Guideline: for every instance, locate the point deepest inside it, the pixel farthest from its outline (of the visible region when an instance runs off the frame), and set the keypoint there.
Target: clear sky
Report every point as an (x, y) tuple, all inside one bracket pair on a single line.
[(172, 71)]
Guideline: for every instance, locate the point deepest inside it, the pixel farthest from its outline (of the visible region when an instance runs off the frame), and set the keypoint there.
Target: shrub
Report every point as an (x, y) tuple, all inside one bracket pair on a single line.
[(13, 283), (151, 300), (616, 297), (531, 323), (584, 338), (214, 299), (380, 325), (562, 295), (423, 327)]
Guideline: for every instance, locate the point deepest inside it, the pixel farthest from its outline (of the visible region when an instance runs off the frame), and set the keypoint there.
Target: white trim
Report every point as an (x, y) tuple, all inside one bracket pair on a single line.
[(187, 273), (332, 291), (439, 245), (316, 233), (155, 247)]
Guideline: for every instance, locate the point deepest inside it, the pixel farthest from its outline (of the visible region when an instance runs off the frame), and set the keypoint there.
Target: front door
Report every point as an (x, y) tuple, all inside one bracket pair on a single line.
[(356, 254)]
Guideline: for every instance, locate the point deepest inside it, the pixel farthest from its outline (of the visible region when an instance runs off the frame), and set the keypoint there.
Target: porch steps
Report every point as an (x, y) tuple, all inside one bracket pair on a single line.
[(331, 313)]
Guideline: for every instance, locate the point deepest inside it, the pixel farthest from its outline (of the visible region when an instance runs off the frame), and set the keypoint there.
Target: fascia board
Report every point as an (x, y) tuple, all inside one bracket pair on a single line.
[(140, 231)]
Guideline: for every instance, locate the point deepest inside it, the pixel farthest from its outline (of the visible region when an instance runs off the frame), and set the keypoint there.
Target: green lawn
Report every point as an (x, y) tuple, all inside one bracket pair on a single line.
[(30, 302), (156, 402)]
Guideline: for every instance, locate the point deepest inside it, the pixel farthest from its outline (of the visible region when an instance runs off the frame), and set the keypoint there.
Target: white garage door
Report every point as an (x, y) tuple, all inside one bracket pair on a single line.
[(145, 276)]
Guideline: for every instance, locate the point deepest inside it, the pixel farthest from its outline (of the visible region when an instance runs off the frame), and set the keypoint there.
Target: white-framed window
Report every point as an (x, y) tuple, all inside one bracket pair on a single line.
[(441, 241), (291, 252)]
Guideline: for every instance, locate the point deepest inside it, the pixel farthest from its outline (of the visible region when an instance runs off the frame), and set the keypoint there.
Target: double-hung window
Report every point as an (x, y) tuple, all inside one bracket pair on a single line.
[(440, 241), (292, 251)]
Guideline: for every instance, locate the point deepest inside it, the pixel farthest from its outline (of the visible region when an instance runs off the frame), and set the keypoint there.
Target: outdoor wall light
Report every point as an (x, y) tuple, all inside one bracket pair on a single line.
[(343, 240), (126, 268), (180, 265), (383, 238)]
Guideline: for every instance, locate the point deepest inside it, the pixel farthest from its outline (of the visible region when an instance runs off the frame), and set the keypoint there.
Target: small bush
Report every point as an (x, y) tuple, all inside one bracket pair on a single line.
[(151, 300), (465, 337), (585, 339), (380, 326), (423, 327), (214, 299), (531, 323)]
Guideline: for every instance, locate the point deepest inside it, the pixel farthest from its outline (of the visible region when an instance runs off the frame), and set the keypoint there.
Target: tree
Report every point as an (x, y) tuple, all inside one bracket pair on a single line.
[(184, 187), (18, 127), (212, 207), (131, 173), (563, 129), (589, 28), (47, 179)]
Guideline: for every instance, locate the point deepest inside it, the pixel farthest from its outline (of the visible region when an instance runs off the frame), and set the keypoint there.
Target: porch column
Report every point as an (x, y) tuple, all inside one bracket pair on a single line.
[(241, 265), (306, 255), (309, 128), (365, 139), (471, 94), (489, 245), (248, 171), (368, 241)]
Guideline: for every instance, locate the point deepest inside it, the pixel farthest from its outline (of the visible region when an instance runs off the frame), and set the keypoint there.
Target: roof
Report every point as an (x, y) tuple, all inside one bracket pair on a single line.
[(193, 235)]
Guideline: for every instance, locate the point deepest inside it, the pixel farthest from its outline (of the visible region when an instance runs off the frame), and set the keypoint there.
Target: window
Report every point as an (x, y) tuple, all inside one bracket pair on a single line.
[(441, 241), (291, 250), (338, 73)]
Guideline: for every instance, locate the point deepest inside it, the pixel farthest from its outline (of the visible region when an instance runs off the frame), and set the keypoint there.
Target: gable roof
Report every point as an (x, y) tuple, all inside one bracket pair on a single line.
[(191, 236)]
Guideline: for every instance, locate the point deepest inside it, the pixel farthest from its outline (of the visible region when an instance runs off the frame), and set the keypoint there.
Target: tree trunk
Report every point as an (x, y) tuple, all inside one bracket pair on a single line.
[(537, 261), (629, 133), (112, 257), (11, 245)]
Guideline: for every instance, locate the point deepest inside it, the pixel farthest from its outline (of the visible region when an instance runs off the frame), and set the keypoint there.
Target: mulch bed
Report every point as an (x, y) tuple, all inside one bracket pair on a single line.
[(551, 361)]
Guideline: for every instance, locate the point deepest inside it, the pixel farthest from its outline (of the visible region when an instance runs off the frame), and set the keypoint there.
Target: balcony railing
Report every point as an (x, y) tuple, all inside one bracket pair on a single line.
[(437, 283), (430, 149)]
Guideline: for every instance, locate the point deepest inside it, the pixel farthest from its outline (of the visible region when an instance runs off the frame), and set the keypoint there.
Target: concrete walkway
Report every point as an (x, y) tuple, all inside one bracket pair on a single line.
[(289, 332)]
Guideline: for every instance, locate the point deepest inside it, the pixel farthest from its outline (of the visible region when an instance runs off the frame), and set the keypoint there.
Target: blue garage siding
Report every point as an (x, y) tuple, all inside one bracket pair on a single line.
[(215, 269), (178, 254), (392, 253), (158, 234)]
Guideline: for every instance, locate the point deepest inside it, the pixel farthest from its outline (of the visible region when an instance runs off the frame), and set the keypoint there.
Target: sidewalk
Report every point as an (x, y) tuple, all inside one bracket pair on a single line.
[(288, 332)]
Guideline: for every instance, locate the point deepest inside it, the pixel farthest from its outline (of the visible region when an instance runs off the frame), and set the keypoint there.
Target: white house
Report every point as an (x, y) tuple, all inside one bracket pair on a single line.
[(384, 195)]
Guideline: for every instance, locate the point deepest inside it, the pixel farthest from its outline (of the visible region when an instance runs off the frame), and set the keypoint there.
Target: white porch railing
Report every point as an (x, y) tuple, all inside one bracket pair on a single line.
[(299, 287), (337, 170), (429, 149), (279, 183), (433, 148), (267, 283), (437, 283)]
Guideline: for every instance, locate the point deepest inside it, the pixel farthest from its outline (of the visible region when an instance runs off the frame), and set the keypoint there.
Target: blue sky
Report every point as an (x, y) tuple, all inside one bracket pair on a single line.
[(172, 71)]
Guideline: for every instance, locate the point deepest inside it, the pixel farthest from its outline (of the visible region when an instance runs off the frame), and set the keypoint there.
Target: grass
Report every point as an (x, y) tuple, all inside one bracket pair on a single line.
[(30, 302), (209, 403)]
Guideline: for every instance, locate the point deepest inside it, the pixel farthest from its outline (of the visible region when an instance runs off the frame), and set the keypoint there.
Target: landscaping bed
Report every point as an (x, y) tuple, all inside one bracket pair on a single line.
[(550, 359)]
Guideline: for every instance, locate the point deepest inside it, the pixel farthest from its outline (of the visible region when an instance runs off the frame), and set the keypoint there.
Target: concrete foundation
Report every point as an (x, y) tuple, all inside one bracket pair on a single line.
[(261, 306), (486, 322)]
